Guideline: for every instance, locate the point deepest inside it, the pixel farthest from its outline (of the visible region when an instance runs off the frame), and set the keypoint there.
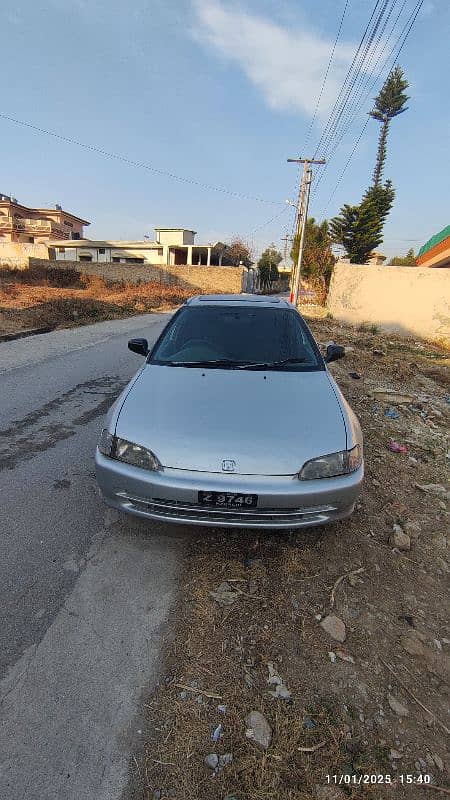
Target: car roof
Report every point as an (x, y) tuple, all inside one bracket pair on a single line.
[(250, 300)]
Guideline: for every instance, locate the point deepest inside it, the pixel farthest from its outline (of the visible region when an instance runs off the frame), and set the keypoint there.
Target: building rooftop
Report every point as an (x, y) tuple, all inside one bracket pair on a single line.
[(436, 239), (184, 230), (6, 200), (142, 245)]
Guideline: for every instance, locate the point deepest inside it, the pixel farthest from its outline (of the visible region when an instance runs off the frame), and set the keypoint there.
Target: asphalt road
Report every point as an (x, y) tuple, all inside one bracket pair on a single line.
[(84, 593)]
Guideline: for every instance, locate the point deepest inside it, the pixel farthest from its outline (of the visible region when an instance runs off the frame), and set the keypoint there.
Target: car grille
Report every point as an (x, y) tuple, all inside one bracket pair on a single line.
[(198, 513)]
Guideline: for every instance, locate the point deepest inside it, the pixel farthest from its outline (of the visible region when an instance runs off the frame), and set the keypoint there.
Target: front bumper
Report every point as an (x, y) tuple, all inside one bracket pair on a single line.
[(171, 495)]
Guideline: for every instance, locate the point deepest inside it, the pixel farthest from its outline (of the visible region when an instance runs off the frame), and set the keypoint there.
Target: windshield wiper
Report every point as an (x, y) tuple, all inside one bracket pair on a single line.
[(275, 364), (219, 362), (228, 363)]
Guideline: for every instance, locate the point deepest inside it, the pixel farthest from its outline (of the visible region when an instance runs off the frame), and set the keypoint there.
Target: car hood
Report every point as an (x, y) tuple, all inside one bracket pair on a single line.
[(268, 423)]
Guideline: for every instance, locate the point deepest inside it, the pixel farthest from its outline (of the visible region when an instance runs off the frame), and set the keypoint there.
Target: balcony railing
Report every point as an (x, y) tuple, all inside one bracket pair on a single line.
[(27, 225)]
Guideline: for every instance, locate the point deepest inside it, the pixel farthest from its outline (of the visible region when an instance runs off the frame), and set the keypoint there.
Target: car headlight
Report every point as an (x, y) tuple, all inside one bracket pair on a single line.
[(331, 465), (122, 450)]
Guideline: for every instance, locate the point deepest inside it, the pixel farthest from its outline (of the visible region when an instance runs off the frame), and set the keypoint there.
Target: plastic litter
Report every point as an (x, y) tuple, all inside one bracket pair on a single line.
[(392, 413), (397, 447)]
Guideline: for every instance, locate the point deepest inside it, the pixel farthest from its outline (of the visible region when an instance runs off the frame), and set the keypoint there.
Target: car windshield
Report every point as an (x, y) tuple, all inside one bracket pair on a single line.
[(237, 338)]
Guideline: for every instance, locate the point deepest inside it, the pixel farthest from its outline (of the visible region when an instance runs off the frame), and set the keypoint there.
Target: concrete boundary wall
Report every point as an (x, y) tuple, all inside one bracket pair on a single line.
[(16, 255), (412, 301), (206, 279)]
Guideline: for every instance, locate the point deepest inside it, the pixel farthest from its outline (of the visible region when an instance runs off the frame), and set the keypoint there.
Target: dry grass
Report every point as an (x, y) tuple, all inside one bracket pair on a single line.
[(63, 298)]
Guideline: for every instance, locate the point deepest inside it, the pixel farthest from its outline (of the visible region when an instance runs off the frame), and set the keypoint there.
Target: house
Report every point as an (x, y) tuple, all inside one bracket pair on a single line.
[(19, 223), (376, 259), (171, 247), (436, 251)]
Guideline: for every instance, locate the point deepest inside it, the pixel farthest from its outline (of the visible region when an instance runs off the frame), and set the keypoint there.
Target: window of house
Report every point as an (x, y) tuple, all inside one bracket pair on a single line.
[(101, 250), (69, 224), (75, 236), (85, 258), (61, 249)]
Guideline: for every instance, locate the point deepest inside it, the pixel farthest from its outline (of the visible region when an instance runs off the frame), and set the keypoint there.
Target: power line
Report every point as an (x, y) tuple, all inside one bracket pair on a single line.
[(314, 117), (359, 103), (355, 147), (268, 221), (361, 67), (359, 84), (346, 79), (404, 32), (138, 164), (408, 27), (330, 61)]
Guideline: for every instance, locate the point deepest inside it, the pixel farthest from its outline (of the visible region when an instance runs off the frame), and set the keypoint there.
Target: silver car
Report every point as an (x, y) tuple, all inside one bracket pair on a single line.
[(234, 420)]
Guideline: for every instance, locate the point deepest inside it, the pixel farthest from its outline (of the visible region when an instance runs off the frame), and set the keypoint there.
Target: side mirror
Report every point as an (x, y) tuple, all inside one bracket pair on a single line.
[(334, 352), (139, 346)]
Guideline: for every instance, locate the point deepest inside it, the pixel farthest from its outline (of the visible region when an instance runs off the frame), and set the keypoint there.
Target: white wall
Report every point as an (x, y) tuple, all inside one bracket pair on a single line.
[(150, 256), (170, 237), (414, 301)]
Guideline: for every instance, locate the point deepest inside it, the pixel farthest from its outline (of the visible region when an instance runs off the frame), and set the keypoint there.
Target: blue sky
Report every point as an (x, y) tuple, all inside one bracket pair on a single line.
[(218, 92)]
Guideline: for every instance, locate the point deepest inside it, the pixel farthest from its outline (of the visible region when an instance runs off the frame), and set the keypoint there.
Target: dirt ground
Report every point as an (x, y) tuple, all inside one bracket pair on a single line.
[(41, 297), (372, 710)]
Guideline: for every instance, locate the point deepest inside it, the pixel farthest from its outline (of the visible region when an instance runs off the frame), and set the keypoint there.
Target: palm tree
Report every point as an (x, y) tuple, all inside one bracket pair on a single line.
[(389, 103)]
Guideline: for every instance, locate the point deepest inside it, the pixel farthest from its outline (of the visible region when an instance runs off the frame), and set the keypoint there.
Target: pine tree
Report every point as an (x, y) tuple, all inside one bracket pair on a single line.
[(382, 196), (389, 103), (358, 229)]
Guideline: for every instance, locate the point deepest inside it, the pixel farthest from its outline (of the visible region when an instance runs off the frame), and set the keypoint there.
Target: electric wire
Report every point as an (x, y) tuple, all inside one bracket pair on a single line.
[(138, 164), (356, 69), (269, 221), (347, 78), (325, 77), (409, 25), (361, 68), (359, 85), (352, 115), (316, 109)]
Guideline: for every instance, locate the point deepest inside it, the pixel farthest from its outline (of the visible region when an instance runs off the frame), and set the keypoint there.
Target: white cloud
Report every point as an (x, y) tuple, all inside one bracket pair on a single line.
[(286, 65)]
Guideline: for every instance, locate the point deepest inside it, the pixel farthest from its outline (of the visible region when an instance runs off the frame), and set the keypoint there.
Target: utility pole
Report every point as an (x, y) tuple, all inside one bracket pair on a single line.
[(302, 216)]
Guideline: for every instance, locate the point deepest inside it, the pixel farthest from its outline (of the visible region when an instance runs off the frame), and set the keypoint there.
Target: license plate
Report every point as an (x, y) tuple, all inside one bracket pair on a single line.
[(227, 500)]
